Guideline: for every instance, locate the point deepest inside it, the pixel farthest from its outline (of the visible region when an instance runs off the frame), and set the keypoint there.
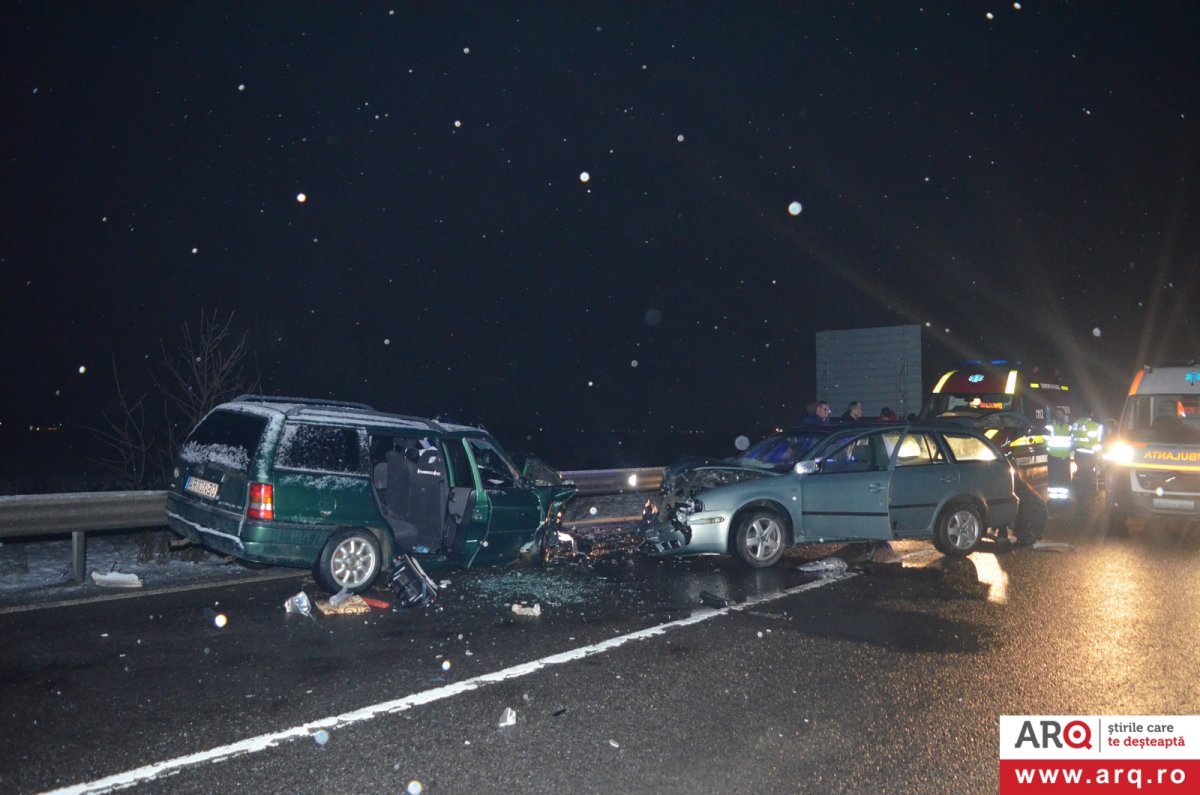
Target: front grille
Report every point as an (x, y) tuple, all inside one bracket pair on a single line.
[(1178, 482)]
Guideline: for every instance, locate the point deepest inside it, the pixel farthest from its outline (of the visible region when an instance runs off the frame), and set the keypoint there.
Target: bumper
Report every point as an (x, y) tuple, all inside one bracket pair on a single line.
[(1134, 501), (705, 533), (271, 543)]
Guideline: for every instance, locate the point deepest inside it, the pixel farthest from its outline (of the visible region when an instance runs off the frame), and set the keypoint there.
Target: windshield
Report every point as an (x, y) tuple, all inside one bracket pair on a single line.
[(781, 452), (969, 404), (1163, 419)]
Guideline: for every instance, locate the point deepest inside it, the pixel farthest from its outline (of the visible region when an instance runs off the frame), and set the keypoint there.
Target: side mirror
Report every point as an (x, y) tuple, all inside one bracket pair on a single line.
[(805, 467)]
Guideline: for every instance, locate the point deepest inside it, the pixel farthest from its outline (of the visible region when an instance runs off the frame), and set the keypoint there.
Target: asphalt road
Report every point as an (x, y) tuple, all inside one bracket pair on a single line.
[(888, 680)]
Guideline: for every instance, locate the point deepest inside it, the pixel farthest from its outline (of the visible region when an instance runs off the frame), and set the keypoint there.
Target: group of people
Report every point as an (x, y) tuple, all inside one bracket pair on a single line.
[(819, 413)]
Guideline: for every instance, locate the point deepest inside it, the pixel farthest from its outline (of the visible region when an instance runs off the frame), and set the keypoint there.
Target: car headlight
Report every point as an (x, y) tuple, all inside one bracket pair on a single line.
[(1119, 453)]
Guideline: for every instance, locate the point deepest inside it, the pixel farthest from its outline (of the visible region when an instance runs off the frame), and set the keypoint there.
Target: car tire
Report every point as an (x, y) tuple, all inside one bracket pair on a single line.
[(958, 530), (1032, 515), (760, 539), (351, 560)]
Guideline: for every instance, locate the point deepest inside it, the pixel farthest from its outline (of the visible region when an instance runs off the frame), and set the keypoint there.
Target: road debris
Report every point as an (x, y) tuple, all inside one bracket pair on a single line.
[(299, 604), (116, 579), (508, 717), (527, 610), (712, 600), (829, 567), (1060, 545), (351, 604)]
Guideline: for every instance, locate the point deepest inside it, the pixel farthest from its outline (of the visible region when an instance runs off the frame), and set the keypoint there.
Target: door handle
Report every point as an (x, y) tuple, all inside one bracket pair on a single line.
[(875, 488), (947, 478)]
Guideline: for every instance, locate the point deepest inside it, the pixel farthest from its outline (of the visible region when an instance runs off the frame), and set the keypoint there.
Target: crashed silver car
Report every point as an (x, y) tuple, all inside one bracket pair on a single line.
[(858, 483)]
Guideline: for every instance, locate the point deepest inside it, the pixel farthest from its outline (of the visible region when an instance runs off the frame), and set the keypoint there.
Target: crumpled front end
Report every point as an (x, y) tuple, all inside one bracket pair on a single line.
[(675, 520)]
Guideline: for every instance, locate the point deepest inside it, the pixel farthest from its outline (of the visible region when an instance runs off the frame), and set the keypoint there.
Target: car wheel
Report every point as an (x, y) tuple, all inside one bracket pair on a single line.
[(760, 539), (1032, 515), (350, 560), (958, 529)]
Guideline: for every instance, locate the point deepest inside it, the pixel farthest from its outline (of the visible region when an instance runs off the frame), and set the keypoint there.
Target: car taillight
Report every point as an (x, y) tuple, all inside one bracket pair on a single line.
[(261, 504)]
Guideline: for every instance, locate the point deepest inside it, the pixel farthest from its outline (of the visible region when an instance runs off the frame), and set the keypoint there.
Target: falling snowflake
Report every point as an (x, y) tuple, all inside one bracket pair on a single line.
[(241, 87), (321, 737), (795, 208), (679, 138), (633, 363), (195, 250), (457, 123), (301, 197), (387, 341), (466, 50), (584, 176), (741, 443), (82, 369), (1096, 331)]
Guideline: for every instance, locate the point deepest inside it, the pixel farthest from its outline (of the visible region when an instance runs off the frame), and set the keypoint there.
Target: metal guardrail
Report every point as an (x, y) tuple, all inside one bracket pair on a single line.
[(28, 515)]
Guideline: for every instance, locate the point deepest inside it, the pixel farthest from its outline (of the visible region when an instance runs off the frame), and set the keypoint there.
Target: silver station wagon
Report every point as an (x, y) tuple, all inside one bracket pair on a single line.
[(863, 482)]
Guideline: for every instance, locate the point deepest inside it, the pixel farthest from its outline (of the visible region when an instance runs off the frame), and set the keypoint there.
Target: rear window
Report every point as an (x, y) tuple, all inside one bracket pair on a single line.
[(226, 438), (969, 448), (319, 447)]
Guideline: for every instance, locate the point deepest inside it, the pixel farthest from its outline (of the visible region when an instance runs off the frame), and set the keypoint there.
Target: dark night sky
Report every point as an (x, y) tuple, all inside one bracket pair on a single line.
[(1021, 179)]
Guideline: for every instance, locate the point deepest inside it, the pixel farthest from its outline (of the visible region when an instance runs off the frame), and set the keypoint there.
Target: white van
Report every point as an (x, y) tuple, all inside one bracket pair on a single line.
[(1152, 462)]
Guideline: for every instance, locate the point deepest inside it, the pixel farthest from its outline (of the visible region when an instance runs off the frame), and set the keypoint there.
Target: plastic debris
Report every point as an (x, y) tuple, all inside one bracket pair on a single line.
[(828, 566), (299, 604), (508, 717), (614, 743), (712, 600), (116, 579), (526, 610), (378, 604), (350, 605), (413, 586), (1054, 545), (339, 597)]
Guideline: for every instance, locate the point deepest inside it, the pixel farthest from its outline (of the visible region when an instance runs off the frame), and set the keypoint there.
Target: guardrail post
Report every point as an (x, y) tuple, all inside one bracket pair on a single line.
[(78, 554)]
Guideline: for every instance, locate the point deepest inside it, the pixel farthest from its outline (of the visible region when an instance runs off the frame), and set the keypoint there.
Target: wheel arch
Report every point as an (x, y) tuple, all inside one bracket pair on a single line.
[(754, 505)]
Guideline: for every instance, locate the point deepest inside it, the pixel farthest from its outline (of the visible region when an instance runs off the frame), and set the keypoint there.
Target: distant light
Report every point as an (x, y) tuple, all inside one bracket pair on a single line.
[(794, 208), (741, 443), (195, 250), (633, 481), (1096, 331), (300, 197), (584, 176), (466, 50), (82, 369), (241, 86), (220, 620)]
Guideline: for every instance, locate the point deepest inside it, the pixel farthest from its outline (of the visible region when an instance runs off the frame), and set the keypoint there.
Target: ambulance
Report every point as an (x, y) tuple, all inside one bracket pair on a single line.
[(1011, 405), (1152, 461)]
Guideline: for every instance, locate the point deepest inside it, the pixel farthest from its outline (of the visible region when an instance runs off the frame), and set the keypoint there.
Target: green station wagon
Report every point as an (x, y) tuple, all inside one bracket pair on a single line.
[(342, 489), (861, 482)]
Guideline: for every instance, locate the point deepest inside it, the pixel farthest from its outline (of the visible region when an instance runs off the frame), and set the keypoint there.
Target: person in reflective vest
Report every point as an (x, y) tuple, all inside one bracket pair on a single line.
[(1058, 450), (1085, 438)]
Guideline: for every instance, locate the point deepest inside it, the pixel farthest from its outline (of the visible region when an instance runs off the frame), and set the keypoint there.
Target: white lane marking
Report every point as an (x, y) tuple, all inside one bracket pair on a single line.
[(264, 741)]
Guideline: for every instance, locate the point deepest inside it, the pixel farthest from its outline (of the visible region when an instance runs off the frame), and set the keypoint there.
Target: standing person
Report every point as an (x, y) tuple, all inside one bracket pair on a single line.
[(1058, 456), (853, 412), (820, 415)]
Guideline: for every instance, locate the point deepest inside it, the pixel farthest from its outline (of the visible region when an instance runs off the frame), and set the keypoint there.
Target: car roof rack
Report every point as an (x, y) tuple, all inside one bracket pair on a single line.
[(303, 401)]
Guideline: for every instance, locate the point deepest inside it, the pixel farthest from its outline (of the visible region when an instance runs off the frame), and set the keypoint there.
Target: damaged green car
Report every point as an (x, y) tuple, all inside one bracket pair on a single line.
[(344, 489)]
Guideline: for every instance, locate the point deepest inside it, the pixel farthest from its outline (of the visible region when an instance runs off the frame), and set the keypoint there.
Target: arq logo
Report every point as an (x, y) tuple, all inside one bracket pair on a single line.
[(1075, 734)]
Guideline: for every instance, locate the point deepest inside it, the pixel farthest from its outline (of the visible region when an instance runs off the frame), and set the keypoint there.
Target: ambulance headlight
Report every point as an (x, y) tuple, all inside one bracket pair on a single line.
[(1119, 453)]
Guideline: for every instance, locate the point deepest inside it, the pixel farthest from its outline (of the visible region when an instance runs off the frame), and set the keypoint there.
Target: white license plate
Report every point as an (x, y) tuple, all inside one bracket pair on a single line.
[(205, 488), (1165, 504)]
